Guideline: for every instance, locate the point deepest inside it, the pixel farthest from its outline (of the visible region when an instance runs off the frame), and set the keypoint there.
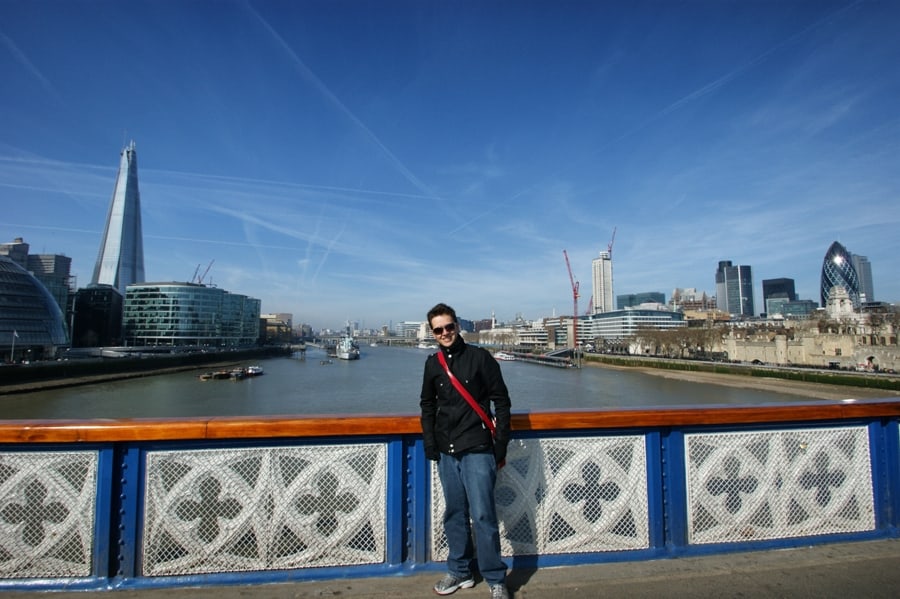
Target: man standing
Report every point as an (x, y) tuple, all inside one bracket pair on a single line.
[(459, 439)]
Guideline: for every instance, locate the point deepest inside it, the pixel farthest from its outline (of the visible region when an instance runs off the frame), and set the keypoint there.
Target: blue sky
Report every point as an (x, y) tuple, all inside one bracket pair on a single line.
[(350, 160)]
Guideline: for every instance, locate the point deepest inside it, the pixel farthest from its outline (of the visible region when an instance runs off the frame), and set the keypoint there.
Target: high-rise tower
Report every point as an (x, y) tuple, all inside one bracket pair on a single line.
[(838, 271), (734, 289), (864, 272), (602, 282), (121, 258)]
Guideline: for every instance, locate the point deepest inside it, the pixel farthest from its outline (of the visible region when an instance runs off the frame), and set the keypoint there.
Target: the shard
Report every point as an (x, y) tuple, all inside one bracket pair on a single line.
[(121, 258)]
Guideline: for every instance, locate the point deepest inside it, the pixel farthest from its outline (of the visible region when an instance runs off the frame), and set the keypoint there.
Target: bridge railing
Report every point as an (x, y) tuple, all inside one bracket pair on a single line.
[(100, 504)]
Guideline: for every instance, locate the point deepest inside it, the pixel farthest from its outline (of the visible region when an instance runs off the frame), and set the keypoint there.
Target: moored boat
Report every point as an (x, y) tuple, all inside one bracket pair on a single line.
[(506, 357), (347, 349), (254, 370)]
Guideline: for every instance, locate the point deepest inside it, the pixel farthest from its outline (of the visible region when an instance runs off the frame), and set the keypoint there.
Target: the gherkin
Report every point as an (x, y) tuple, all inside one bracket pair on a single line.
[(838, 271)]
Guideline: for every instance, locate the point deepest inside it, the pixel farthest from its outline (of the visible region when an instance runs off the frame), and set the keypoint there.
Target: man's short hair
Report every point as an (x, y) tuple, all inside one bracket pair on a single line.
[(440, 310)]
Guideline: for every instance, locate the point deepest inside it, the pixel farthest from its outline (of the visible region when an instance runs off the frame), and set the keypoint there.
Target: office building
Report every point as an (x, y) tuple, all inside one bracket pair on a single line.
[(120, 261), (189, 314), (864, 273), (838, 271), (52, 270), (776, 293), (633, 300), (688, 299), (278, 327), (97, 317), (734, 289), (31, 322), (602, 283), (624, 324)]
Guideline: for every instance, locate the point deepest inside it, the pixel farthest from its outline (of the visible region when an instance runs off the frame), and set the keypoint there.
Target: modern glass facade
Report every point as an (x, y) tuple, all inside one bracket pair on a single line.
[(120, 261), (31, 323), (734, 289), (623, 324), (864, 272), (97, 320), (189, 314), (636, 299), (838, 271)]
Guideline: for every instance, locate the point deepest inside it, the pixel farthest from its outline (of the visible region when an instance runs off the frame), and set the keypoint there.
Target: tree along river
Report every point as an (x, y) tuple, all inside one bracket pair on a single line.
[(385, 380)]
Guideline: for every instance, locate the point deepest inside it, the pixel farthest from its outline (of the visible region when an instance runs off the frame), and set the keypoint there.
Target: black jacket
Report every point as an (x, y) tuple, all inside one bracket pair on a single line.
[(449, 424)]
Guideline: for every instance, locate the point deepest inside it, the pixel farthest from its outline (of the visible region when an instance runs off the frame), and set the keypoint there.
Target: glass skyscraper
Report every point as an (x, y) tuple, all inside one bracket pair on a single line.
[(734, 289), (864, 272), (120, 261), (838, 271)]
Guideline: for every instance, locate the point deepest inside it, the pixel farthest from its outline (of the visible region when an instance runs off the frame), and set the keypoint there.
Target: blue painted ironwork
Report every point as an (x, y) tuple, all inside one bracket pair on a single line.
[(122, 494)]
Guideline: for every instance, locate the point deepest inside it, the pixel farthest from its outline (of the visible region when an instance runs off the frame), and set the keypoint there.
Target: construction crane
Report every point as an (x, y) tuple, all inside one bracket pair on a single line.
[(611, 242), (575, 302), (203, 276)]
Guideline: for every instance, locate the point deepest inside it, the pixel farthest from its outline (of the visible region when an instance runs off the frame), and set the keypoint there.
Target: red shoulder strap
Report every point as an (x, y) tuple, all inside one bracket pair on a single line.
[(462, 391)]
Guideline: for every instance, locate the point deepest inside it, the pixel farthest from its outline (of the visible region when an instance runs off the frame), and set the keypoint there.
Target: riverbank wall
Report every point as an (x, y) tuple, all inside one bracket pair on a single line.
[(805, 375), (66, 373)]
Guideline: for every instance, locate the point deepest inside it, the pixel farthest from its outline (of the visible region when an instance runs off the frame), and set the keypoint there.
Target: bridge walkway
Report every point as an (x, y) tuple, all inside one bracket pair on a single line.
[(869, 569)]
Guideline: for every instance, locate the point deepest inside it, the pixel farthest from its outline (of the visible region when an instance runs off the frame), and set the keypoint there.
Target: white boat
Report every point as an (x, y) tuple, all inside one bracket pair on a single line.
[(502, 355), (253, 370), (423, 345), (347, 349)]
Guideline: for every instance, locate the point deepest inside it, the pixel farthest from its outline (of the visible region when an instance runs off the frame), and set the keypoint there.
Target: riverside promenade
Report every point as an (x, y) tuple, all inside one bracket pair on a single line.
[(869, 569)]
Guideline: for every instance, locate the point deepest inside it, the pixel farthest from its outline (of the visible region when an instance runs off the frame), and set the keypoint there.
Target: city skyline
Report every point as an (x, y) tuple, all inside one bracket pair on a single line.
[(357, 161)]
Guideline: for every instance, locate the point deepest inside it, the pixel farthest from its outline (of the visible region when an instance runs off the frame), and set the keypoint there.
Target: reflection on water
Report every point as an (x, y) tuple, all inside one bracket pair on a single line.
[(383, 381)]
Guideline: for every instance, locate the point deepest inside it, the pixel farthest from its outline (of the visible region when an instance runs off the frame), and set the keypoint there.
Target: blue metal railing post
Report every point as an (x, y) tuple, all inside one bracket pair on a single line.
[(886, 472), (674, 490), (656, 488), (125, 516), (418, 498), (397, 466)]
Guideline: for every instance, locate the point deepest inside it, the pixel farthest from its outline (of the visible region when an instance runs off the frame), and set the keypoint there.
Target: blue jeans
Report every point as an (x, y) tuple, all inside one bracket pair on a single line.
[(468, 483)]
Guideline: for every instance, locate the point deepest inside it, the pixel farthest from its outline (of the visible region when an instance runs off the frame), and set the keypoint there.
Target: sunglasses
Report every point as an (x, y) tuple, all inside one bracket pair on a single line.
[(449, 328)]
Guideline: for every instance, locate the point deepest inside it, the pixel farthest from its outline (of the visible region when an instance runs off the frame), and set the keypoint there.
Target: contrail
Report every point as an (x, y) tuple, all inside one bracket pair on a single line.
[(317, 83), (29, 66), (700, 92)]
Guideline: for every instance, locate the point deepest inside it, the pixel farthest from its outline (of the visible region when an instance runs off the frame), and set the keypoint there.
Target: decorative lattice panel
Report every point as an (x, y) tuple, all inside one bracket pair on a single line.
[(228, 510), (778, 484), (47, 513), (565, 496)]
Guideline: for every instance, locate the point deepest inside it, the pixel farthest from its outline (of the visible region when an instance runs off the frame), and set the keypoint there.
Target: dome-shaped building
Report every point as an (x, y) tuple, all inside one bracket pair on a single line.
[(838, 271), (31, 324)]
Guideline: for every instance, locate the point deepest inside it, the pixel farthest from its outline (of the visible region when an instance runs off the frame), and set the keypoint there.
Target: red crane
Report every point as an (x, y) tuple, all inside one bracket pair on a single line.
[(575, 302)]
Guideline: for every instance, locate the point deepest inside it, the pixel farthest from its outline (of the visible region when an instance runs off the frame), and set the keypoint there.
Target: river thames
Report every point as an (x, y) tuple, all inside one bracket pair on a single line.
[(385, 380)]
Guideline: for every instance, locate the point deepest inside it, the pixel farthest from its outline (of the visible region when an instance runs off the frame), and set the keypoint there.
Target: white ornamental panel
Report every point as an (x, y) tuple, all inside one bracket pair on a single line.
[(275, 508), (47, 513), (778, 484), (565, 495)]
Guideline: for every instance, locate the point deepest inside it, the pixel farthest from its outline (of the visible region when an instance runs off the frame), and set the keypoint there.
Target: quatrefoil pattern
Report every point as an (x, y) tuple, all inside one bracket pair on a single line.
[(566, 495), (778, 484), (47, 513), (273, 508)]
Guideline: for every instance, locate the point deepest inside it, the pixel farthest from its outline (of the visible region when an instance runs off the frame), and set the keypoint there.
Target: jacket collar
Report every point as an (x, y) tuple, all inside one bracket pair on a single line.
[(454, 349)]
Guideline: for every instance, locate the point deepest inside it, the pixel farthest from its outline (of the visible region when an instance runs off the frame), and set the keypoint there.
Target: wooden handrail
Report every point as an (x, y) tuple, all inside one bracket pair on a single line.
[(258, 427)]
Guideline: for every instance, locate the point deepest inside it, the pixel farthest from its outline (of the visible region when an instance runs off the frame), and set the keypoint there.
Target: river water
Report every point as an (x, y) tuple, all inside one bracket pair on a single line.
[(385, 380)]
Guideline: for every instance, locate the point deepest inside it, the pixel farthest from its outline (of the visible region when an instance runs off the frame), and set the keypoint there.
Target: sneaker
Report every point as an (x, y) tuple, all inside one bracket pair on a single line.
[(498, 591), (451, 583)]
